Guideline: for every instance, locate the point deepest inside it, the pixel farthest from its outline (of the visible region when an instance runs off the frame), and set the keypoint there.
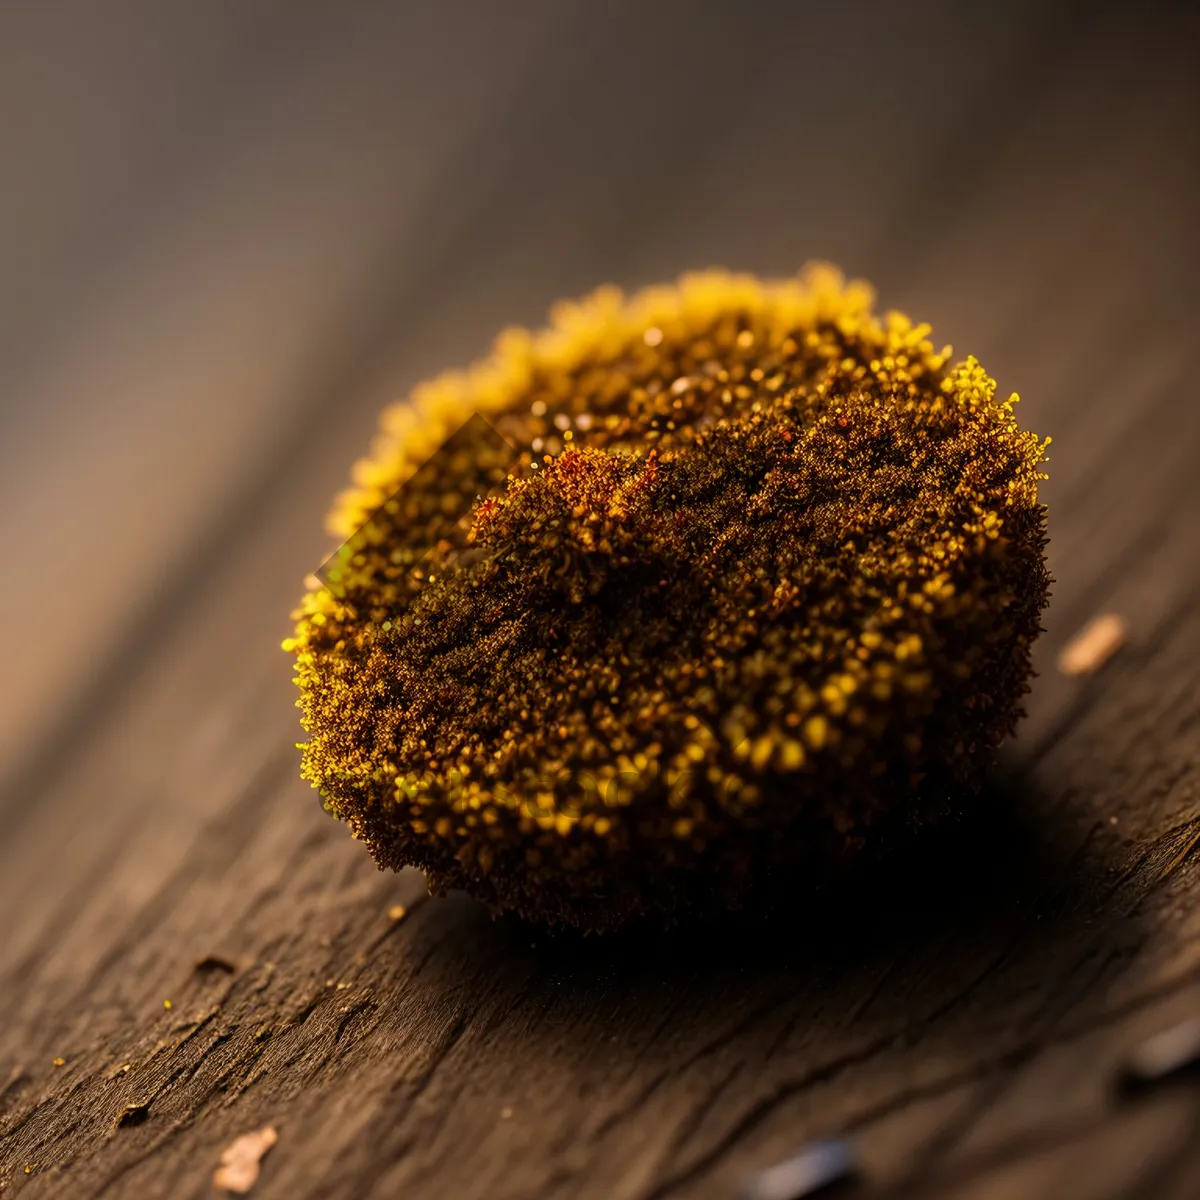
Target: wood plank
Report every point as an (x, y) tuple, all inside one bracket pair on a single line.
[(960, 1013)]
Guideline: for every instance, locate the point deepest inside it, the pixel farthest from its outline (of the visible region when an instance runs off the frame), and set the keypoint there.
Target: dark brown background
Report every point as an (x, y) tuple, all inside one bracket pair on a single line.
[(228, 233)]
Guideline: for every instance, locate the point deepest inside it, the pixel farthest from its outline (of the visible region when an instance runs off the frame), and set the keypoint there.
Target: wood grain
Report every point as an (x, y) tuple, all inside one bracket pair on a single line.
[(960, 1012)]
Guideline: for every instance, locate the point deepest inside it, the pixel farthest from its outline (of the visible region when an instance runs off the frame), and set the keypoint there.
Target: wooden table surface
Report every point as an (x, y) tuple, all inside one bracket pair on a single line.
[(1025, 177)]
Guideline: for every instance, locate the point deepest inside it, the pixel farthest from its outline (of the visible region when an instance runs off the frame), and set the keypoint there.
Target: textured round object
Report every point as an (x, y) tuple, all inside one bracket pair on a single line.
[(691, 596)]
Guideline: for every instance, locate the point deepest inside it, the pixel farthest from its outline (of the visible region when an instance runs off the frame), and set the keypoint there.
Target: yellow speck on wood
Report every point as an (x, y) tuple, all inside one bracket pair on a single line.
[(241, 1160), (397, 912), (60, 1062), (167, 1005)]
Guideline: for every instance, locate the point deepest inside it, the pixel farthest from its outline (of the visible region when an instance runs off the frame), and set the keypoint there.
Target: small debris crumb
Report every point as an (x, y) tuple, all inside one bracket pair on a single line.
[(1093, 645), (397, 912), (60, 1062), (1168, 1055), (241, 1160), (816, 1167), (168, 1005), (506, 1113)]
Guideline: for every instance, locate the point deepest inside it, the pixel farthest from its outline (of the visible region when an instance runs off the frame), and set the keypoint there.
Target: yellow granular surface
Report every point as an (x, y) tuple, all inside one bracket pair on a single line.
[(733, 577)]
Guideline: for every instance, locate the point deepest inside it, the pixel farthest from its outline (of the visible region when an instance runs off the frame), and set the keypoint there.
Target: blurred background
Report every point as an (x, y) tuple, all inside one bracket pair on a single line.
[(231, 229)]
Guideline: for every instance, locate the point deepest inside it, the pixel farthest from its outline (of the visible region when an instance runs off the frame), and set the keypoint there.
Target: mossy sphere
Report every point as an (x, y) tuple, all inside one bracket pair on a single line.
[(692, 596)]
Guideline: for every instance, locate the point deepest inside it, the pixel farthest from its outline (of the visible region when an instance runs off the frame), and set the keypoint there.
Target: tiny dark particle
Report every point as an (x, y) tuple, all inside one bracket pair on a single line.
[(816, 1168), (1169, 1055), (213, 962)]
